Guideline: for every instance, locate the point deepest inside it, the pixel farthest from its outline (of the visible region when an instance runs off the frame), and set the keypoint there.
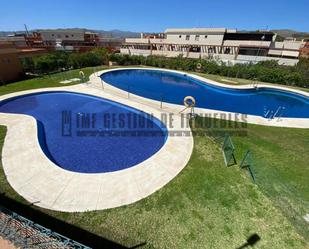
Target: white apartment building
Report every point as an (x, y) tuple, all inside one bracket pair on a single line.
[(62, 34), (227, 45), (71, 37)]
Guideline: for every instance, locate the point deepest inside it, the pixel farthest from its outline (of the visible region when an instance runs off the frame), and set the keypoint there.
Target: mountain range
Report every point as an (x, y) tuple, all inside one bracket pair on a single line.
[(108, 34), (291, 33)]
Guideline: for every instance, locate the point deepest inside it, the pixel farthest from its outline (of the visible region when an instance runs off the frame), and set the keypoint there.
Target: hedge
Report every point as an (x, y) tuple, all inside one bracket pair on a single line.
[(267, 71)]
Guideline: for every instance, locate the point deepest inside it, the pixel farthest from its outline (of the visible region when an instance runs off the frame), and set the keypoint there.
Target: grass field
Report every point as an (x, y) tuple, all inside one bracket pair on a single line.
[(209, 205), (52, 80)]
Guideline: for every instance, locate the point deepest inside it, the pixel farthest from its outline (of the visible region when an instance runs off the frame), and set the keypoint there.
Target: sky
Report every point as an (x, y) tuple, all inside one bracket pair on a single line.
[(154, 16)]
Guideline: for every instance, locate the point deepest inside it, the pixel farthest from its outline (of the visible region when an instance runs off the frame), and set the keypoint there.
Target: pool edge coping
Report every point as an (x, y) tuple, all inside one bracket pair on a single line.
[(136, 192), (253, 119)]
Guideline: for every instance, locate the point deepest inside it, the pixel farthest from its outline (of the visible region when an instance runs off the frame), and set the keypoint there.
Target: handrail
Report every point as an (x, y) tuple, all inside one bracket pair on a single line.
[(158, 96), (279, 108), (255, 84), (281, 113)]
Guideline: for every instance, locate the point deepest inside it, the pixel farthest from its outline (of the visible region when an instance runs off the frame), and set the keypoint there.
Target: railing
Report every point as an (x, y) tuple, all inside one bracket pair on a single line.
[(152, 95), (278, 114), (132, 92), (24, 233), (255, 84)]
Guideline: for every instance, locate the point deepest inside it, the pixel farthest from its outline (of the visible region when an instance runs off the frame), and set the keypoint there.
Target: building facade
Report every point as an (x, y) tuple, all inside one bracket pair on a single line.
[(227, 45), (11, 68), (69, 37), (304, 51), (10, 65), (56, 39)]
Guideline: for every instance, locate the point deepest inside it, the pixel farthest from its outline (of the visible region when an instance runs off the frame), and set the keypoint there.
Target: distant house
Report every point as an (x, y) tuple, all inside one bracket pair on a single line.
[(304, 51), (10, 65), (63, 39), (77, 38), (228, 45)]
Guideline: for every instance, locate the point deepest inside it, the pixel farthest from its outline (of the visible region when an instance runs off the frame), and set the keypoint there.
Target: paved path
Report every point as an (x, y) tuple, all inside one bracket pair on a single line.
[(282, 122), (44, 184)]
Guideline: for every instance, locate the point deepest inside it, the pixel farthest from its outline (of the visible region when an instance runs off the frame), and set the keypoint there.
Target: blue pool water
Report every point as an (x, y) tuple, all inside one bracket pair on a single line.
[(88, 134), (173, 87)]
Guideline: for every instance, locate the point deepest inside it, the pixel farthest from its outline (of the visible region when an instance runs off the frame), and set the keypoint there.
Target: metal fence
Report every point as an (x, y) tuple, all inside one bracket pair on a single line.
[(24, 233)]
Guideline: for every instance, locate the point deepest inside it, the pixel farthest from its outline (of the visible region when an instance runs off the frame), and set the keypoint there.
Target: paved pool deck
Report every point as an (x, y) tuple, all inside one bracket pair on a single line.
[(278, 122), (46, 185), (41, 182)]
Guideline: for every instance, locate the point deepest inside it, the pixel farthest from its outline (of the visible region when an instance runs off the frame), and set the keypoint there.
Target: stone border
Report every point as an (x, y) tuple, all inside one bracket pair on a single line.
[(253, 119), (46, 185)]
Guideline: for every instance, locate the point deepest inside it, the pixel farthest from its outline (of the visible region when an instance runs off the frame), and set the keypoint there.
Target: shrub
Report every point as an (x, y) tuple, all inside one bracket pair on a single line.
[(268, 71)]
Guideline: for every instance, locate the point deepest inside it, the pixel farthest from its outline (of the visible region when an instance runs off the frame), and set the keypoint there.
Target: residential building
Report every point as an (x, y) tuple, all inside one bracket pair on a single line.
[(10, 64), (113, 44), (17, 39), (304, 51), (56, 39), (227, 45), (69, 37)]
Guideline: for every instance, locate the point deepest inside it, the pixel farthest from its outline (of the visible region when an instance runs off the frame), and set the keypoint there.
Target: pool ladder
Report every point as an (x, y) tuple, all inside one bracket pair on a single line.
[(255, 85), (277, 114)]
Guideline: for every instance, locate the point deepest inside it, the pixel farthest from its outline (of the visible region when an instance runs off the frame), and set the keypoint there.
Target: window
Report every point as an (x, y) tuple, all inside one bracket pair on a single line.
[(72, 35), (66, 36), (197, 37), (187, 37), (195, 49), (179, 36), (53, 34), (205, 36), (227, 51)]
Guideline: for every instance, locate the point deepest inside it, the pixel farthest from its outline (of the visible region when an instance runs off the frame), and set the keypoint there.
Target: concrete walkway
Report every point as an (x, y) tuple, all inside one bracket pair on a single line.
[(281, 122), (44, 184)]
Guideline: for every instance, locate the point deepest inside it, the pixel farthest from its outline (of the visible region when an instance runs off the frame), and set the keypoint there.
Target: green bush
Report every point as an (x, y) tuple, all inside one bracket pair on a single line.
[(89, 59), (267, 71), (56, 61)]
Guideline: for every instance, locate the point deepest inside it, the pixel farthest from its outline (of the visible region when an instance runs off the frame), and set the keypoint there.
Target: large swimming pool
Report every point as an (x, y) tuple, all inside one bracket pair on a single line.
[(87, 134), (173, 87)]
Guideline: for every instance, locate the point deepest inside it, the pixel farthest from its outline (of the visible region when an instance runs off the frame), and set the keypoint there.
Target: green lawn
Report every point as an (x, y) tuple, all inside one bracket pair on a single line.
[(209, 205), (52, 80)]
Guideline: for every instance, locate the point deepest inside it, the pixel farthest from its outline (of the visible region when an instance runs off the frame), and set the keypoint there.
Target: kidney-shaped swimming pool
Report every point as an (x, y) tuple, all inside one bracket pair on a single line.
[(87, 134), (173, 87)]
